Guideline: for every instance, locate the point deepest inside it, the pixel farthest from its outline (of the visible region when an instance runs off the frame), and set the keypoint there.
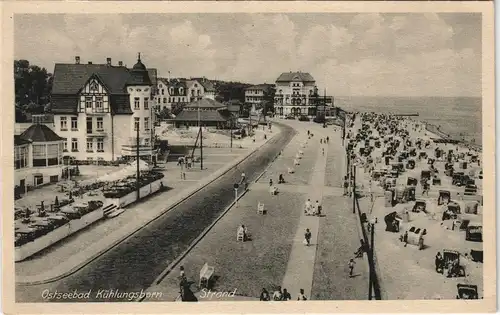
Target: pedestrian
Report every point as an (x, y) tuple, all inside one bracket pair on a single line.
[(184, 175), (321, 141), (307, 206), (318, 208), (307, 132), (307, 237), (278, 295), (302, 296), (327, 139), (182, 273), (346, 185), (351, 267), (264, 295), (323, 149), (286, 295), (270, 181), (243, 177)]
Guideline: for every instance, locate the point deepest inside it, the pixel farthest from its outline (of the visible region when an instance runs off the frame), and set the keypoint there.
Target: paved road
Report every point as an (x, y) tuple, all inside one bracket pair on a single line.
[(135, 263)]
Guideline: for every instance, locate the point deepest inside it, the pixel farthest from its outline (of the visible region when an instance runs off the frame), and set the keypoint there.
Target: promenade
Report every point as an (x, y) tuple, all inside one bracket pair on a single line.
[(74, 252), (275, 254)]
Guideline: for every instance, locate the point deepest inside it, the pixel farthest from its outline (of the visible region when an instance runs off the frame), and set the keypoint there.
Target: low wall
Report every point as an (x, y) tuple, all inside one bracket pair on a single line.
[(132, 197), (372, 259), (31, 248)]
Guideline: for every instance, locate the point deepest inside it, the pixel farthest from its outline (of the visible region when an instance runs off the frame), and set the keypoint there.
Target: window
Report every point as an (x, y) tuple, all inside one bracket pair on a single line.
[(99, 104), (146, 103), (74, 145), (94, 87), (181, 91), (90, 145), (146, 141), (136, 123), (39, 155), (74, 123), (100, 124), (137, 103), (100, 144), (171, 91), (64, 123), (164, 100), (169, 99), (88, 102), (20, 157), (146, 123), (162, 91), (65, 145), (90, 158), (139, 90)]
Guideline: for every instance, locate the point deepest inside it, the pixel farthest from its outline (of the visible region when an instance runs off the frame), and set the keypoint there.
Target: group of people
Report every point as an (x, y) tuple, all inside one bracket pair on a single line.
[(310, 209), (280, 295), (242, 230)]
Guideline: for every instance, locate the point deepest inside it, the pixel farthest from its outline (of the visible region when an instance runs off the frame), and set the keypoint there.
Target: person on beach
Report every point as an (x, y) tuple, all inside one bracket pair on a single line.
[(264, 295), (286, 295), (327, 139), (278, 295), (308, 206), (318, 208), (307, 237), (301, 296), (323, 150), (351, 267)]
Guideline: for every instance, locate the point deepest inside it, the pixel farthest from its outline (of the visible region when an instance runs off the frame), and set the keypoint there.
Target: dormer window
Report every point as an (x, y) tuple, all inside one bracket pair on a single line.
[(171, 91), (146, 89), (139, 90), (181, 90)]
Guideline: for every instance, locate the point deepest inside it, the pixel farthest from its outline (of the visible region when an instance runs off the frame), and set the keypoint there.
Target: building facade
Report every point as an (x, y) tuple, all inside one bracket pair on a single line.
[(38, 157), (171, 93), (98, 109), (294, 91), (196, 91), (256, 95)]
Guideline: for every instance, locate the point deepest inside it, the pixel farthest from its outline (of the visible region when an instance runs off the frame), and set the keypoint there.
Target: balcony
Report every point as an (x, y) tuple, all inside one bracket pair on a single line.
[(96, 111), (97, 133)]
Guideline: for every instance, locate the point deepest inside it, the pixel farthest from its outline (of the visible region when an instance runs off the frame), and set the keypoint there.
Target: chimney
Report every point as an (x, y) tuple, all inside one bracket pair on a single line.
[(108, 61), (90, 62), (120, 63), (77, 60)]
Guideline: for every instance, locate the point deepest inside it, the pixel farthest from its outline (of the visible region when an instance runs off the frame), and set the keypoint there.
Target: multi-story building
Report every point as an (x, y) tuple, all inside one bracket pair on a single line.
[(196, 91), (171, 93), (38, 157), (208, 88), (98, 109), (256, 95), (293, 93)]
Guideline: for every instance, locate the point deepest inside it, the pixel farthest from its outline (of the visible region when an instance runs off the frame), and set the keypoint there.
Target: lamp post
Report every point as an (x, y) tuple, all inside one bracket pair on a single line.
[(201, 137), (137, 162), (371, 260)]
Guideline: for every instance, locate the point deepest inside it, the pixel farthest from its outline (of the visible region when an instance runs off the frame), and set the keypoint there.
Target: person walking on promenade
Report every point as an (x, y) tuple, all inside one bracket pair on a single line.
[(307, 237), (286, 295), (308, 206), (327, 139), (323, 149), (318, 208), (346, 185), (302, 296), (321, 141), (243, 177), (351, 267)]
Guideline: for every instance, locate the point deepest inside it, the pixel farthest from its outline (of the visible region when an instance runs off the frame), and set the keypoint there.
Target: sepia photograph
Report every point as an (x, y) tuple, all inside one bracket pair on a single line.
[(301, 153)]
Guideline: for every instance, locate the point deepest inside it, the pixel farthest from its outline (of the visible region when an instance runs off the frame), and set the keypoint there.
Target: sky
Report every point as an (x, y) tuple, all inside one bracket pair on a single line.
[(365, 54)]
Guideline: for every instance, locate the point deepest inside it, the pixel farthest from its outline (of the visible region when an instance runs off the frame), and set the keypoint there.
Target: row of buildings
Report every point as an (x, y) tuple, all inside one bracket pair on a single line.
[(106, 112)]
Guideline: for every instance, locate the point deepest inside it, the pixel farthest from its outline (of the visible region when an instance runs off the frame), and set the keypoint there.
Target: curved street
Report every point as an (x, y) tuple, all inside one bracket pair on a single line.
[(136, 262)]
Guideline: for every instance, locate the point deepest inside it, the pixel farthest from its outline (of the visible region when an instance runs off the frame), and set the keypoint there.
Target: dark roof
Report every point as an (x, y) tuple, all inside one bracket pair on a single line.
[(192, 115), (208, 85), (70, 78), (153, 74), (205, 103), (40, 133), (264, 87), (295, 76), (19, 141), (234, 108)]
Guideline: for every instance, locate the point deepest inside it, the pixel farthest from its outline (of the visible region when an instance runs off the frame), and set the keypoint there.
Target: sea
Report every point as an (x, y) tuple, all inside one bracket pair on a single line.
[(457, 116)]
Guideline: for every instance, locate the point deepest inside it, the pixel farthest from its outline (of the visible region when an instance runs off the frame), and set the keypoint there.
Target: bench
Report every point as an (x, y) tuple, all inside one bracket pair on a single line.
[(206, 274)]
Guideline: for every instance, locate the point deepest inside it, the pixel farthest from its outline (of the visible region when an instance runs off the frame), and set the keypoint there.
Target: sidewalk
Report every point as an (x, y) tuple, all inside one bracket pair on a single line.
[(79, 249)]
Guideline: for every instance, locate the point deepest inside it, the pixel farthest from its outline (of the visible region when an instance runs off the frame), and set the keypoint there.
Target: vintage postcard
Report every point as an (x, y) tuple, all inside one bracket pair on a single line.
[(279, 157)]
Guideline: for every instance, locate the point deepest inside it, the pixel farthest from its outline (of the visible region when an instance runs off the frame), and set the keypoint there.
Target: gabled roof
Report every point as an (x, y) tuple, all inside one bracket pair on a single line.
[(70, 78), (205, 103), (208, 85), (295, 76), (39, 133)]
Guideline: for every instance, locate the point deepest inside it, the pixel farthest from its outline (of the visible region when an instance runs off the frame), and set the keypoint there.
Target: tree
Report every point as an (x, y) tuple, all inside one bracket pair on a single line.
[(32, 83), (165, 114)]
